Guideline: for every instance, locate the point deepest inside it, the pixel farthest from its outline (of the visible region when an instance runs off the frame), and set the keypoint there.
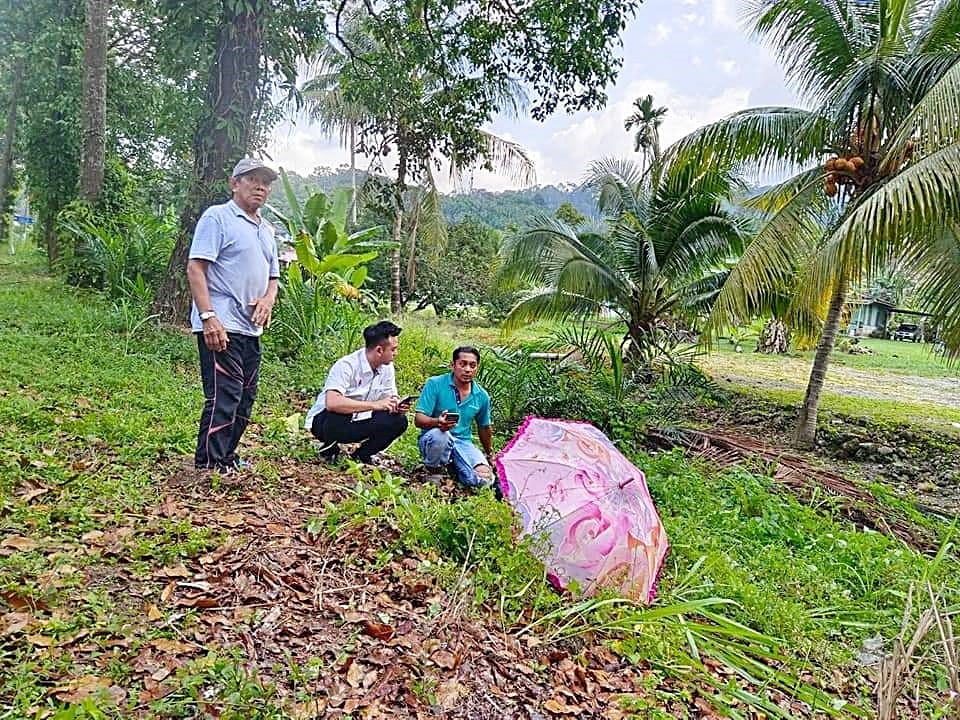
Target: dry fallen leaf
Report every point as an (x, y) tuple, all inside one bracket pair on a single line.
[(172, 646), (380, 631), (153, 612), (444, 659), (449, 693), (20, 602), (355, 674), (174, 572), (42, 640), (559, 707), (232, 520), (15, 622), (19, 542)]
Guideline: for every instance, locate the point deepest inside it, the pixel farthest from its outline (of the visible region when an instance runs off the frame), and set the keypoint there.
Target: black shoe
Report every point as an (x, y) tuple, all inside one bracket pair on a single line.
[(329, 452)]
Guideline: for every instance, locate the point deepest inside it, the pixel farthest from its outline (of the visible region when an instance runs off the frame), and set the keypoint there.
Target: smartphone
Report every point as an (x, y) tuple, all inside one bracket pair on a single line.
[(453, 417), (408, 400)]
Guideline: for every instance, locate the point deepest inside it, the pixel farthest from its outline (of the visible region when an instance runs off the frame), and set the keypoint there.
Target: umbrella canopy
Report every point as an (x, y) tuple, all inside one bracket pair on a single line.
[(588, 505)]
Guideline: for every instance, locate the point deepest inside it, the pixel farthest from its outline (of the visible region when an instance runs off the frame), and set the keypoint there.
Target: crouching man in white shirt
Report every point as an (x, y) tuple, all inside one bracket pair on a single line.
[(359, 402)]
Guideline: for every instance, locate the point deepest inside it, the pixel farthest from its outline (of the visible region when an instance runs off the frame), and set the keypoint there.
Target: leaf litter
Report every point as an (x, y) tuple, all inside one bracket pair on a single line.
[(390, 641)]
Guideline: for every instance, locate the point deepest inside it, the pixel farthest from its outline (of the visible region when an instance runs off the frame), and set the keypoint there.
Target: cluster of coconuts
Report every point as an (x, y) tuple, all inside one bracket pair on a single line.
[(841, 171)]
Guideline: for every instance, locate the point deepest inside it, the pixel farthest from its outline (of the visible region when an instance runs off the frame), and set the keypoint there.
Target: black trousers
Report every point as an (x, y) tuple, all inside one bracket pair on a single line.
[(375, 434), (230, 387)]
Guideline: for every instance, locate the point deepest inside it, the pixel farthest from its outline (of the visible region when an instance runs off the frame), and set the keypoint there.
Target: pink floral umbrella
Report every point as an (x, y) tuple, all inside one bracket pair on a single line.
[(589, 504)]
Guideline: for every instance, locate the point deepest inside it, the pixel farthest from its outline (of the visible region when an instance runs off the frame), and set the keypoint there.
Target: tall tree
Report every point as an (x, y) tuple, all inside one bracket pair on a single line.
[(412, 125), (429, 74), (93, 116), (647, 120), (9, 138), (245, 66), (880, 159)]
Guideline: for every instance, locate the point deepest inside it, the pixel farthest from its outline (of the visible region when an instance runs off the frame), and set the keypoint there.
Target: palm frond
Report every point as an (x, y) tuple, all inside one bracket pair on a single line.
[(508, 158), (548, 304), (815, 40), (934, 121), (906, 210), (938, 284), (770, 262), (771, 138), (941, 31)]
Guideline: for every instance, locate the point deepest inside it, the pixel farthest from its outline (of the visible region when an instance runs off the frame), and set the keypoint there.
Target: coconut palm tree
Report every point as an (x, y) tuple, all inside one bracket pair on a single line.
[(659, 253), (339, 116), (875, 162), (647, 119)]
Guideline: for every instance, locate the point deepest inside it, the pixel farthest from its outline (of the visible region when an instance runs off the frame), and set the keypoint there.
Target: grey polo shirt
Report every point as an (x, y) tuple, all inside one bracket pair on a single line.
[(243, 259), (353, 378)]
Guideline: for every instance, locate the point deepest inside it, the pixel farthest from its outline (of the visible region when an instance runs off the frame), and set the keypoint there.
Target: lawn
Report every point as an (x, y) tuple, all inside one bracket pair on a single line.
[(900, 383), (296, 591)]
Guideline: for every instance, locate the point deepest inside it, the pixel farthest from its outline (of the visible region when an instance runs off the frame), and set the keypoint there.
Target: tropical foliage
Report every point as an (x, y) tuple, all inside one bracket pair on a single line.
[(323, 285), (647, 120), (659, 254), (877, 157)]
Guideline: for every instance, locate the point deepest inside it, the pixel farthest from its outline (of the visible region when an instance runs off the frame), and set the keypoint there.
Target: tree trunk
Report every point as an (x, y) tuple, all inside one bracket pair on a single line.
[(396, 299), (220, 141), (807, 423), (411, 273), (774, 338), (6, 160), (93, 116), (353, 173)]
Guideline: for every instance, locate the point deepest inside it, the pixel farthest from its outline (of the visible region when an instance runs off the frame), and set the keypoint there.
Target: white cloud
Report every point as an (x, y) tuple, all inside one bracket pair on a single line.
[(661, 31), (724, 14), (302, 148), (693, 19), (566, 153), (729, 67)]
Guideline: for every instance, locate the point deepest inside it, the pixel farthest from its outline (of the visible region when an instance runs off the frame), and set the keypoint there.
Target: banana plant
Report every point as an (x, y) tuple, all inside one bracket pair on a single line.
[(325, 249)]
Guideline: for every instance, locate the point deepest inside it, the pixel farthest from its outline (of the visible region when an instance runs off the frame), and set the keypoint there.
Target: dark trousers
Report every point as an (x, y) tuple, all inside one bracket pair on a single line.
[(230, 387), (376, 433)]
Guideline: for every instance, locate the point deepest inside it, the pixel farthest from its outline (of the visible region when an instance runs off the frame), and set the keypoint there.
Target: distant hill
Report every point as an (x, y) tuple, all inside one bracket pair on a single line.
[(496, 209)]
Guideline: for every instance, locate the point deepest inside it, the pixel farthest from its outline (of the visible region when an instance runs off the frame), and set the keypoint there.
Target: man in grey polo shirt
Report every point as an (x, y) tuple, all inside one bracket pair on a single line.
[(233, 274)]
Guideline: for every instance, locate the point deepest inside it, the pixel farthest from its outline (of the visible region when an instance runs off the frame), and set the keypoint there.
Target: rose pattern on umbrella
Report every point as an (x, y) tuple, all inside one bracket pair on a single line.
[(587, 506)]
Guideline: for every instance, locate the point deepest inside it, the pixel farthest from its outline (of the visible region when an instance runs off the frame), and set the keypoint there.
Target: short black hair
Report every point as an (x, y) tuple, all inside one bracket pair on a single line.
[(466, 350), (378, 333)]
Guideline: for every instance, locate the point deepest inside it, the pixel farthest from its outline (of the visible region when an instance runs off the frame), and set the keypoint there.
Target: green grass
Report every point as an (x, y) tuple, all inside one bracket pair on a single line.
[(94, 409), (900, 358), (902, 384)]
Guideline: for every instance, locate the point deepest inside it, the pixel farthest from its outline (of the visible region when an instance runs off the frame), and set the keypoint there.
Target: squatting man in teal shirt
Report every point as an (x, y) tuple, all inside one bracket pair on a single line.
[(448, 406)]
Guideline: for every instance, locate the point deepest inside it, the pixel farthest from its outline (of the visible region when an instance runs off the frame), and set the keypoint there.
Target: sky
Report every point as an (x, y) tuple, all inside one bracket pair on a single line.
[(693, 56)]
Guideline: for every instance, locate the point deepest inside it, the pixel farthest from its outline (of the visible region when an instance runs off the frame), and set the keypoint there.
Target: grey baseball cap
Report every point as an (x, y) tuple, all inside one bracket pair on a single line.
[(250, 164)]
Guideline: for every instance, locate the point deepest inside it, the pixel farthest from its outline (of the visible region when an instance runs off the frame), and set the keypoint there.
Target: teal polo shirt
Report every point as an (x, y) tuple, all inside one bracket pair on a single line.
[(440, 393)]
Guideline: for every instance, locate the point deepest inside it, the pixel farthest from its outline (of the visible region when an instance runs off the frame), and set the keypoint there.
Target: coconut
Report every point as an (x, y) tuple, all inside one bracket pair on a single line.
[(857, 162), (831, 189), (831, 164)]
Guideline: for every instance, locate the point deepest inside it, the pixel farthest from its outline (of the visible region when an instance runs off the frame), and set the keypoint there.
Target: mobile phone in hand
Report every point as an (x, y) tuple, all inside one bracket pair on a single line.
[(409, 400), (453, 417)]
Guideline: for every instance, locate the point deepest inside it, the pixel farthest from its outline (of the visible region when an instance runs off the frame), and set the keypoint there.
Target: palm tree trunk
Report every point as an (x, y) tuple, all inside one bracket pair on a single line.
[(353, 173), (221, 140), (396, 299), (774, 338), (411, 274), (807, 424), (6, 160), (94, 113)]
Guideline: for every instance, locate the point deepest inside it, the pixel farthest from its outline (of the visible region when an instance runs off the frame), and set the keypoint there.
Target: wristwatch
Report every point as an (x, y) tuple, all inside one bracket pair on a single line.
[(207, 315)]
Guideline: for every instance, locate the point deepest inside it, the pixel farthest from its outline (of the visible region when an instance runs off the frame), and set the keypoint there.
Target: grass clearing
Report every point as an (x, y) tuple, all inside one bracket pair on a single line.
[(902, 384), (126, 594)]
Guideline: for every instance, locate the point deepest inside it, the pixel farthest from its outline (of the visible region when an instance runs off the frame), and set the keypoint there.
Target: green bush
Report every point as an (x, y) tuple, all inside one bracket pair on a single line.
[(126, 256)]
